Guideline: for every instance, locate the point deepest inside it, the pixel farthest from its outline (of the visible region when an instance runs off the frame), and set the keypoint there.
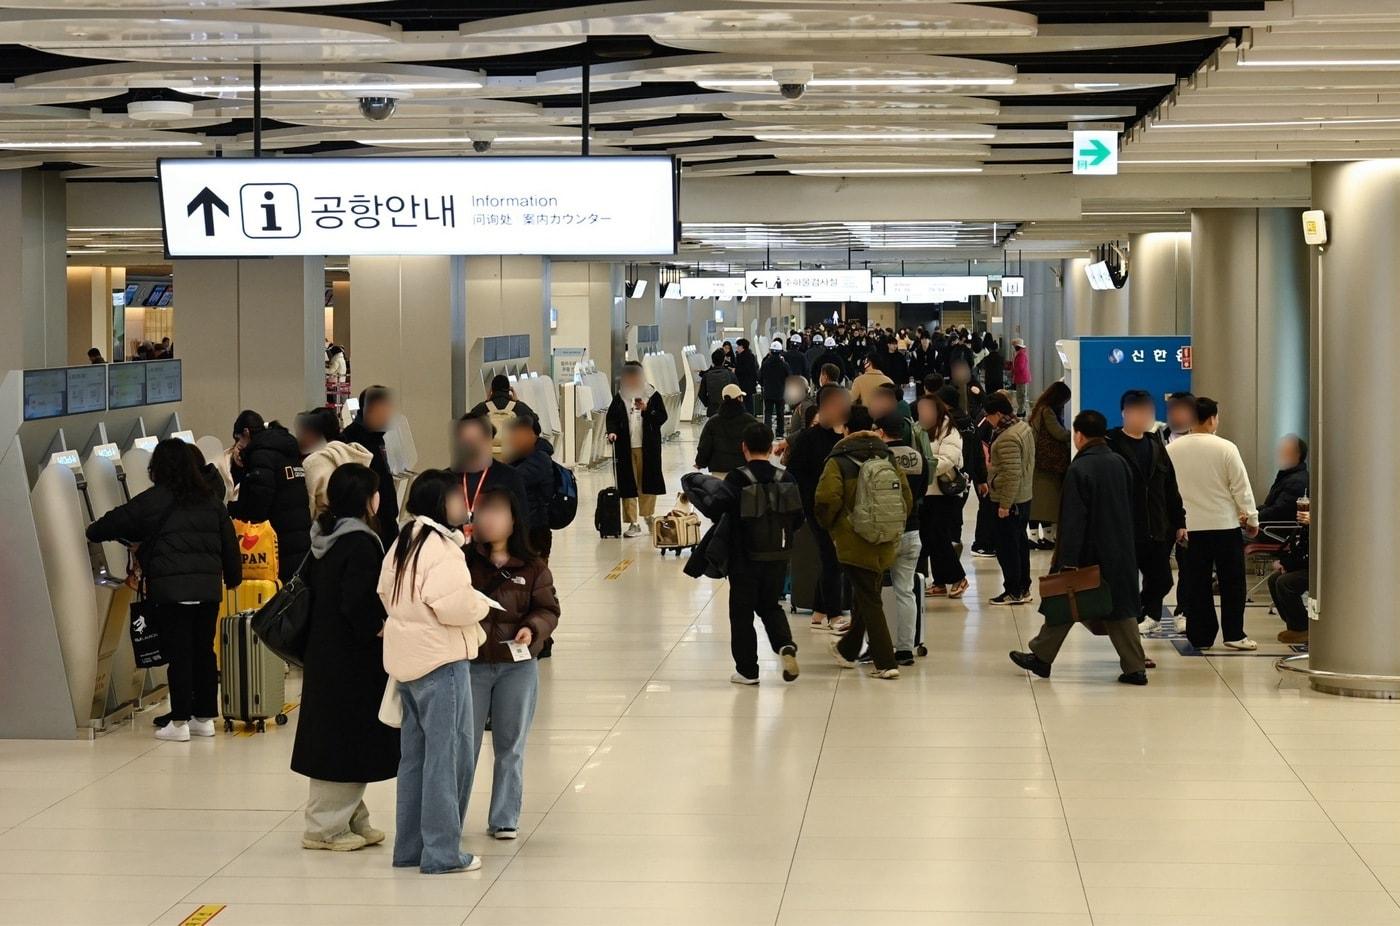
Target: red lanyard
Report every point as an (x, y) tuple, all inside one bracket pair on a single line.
[(472, 499)]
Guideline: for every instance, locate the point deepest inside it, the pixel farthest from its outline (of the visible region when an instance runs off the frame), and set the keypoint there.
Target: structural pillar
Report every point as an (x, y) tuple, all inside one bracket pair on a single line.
[(1159, 298), (33, 268), (1078, 299), (1354, 328), (1249, 327), (583, 293)]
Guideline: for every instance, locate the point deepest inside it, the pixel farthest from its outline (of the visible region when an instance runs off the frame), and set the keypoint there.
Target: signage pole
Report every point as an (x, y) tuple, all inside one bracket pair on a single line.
[(585, 91), (257, 110)]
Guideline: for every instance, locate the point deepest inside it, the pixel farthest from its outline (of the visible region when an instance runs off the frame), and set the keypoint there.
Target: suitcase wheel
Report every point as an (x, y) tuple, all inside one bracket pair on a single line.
[(281, 720), (228, 725), (262, 727), (921, 650)]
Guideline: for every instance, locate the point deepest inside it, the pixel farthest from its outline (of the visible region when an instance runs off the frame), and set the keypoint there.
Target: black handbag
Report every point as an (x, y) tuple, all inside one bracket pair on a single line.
[(147, 643), (284, 621)]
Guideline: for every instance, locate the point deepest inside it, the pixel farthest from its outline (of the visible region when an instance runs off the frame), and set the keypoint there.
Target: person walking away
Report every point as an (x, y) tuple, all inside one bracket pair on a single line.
[(341, 745), (266, 469), (1010, 472), (1290, 483), (1020, 373), (1288, 583), (721, 439), (188, 554), (1219, 503), (501, 407), (372, 420), (993, 365), (533, 459), (773, 376), (863, 500), (634, 423), (1096, 529), (914, 466), (939, 511), (767, 510), (432, 632), (1159, 520), (713, 381), (1051, 460), (795, 357), (505, 673), (746, 372), (870, 379), (806, 459), (476, 469)]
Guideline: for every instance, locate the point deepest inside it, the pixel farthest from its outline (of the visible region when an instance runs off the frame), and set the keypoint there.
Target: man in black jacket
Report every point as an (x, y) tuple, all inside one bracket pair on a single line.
[(502, 407), (1159, 519), (1096, 529), (533, 459), (477, 468), (266, 468), (713, 381), (772, 376), (375, 415), (746, 372), (806, 458), (1291, 483), (1289, 582)]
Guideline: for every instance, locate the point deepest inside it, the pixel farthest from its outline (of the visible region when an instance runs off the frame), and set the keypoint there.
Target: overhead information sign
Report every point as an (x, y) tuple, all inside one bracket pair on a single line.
[(268, 207), (834, 283), (1095, 152), (1013, 286), (934, 289), (712, 287)]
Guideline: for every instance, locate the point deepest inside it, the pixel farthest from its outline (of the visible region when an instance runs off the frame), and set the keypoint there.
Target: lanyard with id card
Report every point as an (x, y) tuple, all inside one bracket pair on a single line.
[(470, 498)]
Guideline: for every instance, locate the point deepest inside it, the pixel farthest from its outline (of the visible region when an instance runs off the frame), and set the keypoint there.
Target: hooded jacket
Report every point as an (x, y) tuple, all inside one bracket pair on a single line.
[(835, 497), (272, 487), (536, 472), (525, 592), (772, 376), (720, 439), (357, 432), (319, 464), (437, 616)]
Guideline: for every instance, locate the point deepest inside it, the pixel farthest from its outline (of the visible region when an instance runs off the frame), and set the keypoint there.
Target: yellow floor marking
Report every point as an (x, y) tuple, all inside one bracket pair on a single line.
[(203, 914), (619, 569)]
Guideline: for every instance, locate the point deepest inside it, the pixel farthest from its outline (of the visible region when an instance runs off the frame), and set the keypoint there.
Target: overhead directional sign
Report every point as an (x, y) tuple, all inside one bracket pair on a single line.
[(266, 207), (834, 283), (1095, 152)]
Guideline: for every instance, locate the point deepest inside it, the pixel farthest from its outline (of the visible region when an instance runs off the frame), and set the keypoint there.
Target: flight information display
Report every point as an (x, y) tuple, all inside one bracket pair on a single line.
[(45, 394), (126, 385), (163, 381), (87, 389)]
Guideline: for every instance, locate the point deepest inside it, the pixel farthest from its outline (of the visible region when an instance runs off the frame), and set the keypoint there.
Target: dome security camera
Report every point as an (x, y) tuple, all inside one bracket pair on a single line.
[(481, 145), (377, 108), (792, 82)]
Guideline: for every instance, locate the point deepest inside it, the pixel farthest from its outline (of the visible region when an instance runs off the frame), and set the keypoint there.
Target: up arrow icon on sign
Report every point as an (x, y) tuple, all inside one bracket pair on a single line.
[(1095, 152), (207, 200)]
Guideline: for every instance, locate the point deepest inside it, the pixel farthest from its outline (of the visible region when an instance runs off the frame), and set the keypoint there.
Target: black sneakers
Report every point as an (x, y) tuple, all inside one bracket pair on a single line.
[(1133, 678), (904, 657), (1033, 663)]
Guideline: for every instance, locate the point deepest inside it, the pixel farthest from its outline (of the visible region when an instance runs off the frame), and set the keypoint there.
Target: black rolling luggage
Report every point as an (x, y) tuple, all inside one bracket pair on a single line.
[(608, 517)]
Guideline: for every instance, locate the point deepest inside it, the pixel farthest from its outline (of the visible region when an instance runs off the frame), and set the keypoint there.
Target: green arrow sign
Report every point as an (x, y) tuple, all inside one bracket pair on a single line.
[(1096, 153)]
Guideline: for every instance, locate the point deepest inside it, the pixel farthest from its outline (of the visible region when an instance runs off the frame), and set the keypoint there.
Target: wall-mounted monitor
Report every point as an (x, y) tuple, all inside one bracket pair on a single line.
[(45, 394), (163, 381), (129, 294), (87, 389), (165, 298), (154, 296), (126, 385)]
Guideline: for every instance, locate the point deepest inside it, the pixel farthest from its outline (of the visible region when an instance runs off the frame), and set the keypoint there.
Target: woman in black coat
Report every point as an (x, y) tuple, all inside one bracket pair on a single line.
[(640, 478), (340, 743), (188, 554)]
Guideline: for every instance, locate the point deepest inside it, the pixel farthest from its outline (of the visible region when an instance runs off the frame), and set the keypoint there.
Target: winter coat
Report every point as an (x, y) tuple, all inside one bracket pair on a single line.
[(1011, 465), (373, 441), (1051, 463), (536, 471), (272, 487), (994, 371), (525, 591), (827, 355), (911, 461), (1096, 524), (796, 361), (836, 494), (188, 551), (772, 376), (1021, 367), (895, 367), (437, 616), (339, 736), (1157, 509), (720, 440), (863, 389), (712, 383), (498, 476), (806, 458), (320, 464), (1281, 504), (946, 449), (653, 417), (746, 371)]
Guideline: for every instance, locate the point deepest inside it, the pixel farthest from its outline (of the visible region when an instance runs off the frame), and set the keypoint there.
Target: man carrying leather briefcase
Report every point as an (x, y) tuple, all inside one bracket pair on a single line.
[(1096, 530)]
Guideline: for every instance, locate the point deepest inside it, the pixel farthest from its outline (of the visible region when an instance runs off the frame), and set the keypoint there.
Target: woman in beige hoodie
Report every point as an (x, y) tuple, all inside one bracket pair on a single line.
[(432, 633)]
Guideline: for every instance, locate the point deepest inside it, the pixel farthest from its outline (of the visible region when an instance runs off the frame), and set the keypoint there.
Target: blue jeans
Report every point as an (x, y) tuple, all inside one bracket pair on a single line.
[(435, 770), (505, 691), (906, 600)]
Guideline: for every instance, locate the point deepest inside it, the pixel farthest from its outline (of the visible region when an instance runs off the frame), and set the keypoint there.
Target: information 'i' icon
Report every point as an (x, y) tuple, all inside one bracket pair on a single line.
[(270, 210)]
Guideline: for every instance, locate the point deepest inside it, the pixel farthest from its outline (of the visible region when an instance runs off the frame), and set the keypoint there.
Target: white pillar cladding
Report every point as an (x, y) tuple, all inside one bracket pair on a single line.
[(1353, 331), (1159, 267), (1078, 299), (1109, 316), (33, 270), (409, 322), (1249, 327), (251, 335)]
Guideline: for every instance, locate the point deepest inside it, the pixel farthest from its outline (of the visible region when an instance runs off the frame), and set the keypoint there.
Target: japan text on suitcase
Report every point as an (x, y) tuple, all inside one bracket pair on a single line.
[(252, 683), (892, 610), (679, 530)]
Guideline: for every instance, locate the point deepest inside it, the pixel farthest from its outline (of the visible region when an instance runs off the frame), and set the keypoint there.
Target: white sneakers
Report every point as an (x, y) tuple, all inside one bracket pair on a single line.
[(202, 726), (633, 530), (177, 731), (345, 842), (1180, 623), (1149, 626), (1244, 643), (833, 647), (737, 679)]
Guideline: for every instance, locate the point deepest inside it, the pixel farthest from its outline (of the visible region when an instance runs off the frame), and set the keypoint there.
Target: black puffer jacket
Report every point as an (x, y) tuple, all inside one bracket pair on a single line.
[(721, 437), (373, 441), (272, 487), (190, 555), (536, 473)]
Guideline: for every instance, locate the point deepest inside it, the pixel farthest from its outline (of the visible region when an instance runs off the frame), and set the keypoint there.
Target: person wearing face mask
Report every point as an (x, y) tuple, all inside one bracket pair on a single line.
[(432, 633), (634, 423), (476, 469), (505, 673)]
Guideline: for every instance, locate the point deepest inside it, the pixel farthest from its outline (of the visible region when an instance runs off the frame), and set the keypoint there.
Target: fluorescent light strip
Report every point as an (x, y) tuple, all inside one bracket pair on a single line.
[(46, 145), (1287, 123), (1299, 160), (228, 90), (766, 82), (1133, 213), (843, 172), (874, 136), (458, 139), (1323, 63)]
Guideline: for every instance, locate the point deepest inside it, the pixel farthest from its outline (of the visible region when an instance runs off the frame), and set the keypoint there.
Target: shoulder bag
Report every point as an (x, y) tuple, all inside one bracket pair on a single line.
[(284, 621), (147, 644)]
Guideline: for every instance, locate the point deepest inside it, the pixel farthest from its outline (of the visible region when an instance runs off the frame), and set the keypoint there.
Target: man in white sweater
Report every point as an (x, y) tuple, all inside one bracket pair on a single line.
[(1219, 502)]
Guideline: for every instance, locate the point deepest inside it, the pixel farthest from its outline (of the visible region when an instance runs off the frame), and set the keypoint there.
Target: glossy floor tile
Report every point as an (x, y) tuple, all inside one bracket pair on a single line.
[(964, 794)]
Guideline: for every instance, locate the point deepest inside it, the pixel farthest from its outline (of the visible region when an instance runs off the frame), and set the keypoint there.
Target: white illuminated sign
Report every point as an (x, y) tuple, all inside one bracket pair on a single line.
[(1099, 276), (1095, 152), (832, 283), (262, 207), (712, 287), (934, 289), (1013, 286)]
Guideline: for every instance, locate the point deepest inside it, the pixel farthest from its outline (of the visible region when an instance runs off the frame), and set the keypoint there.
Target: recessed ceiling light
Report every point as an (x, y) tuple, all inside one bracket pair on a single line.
[(1104, 85), (139, 143), (847, 171)]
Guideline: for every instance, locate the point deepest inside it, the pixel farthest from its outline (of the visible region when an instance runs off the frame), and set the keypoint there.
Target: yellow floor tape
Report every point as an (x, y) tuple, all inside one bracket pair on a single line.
[(203, 914), (619, 569)]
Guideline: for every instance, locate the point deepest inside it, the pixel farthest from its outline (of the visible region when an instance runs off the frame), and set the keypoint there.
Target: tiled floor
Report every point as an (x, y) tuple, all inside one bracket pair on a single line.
[(656, 792)]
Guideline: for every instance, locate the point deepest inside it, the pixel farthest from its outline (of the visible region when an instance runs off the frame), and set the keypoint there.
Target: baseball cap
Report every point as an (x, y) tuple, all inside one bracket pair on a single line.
[(732, 392)]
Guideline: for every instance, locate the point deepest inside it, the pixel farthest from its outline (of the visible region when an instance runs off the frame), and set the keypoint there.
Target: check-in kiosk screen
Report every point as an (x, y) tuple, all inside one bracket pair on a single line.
[(126, 385), (45, 394), (163, 381), (87, 389)]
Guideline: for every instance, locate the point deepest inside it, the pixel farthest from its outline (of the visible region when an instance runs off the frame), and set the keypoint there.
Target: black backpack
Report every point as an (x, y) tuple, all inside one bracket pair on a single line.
[(563, 504), (768, 515)]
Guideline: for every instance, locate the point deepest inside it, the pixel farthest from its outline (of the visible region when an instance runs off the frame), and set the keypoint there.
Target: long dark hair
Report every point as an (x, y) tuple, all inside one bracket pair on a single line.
[(348, 494), (1055, 397), (174, 467), (518, 543), (427, 497), (942, 414), (247, 420)]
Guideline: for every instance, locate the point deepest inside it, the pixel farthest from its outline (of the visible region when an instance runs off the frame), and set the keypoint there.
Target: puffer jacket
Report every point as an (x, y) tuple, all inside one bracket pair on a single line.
[(836, 494), (719, 448), (190, 555), (437, 616), (272, 487), (319, 464), (525, 591), (1011, 467)]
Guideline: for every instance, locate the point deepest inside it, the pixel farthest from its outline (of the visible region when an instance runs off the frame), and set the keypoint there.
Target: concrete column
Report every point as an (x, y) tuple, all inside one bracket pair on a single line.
[(90, 310), (34, 310), (340, 308), (1249, 327), (1109, 316), (1044, 301), (1078, 299), (1159, 301), (251, 336), (409, 319), (1354, 328)]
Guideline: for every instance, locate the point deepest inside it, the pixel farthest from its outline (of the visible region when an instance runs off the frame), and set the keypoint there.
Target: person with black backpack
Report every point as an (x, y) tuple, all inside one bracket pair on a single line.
[(767, 514), (533, 459)]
